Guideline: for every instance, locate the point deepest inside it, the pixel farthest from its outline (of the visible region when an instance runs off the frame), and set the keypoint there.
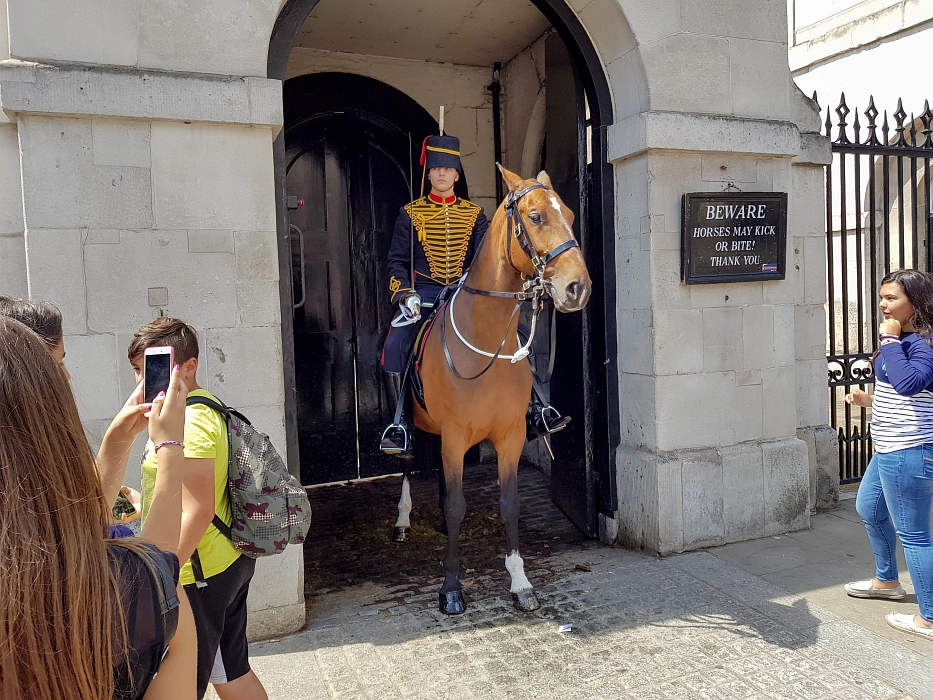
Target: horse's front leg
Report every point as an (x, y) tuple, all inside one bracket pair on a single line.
[(450, 598), (509, 452), (402, 528)]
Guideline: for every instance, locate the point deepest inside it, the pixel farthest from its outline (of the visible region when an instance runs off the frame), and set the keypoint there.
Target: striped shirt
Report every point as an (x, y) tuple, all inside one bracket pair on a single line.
[(902, 406)]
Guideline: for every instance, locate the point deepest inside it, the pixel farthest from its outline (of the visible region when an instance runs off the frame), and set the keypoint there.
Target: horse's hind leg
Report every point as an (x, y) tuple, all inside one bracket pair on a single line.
[(402, 527), (450, 597), (509, 452)]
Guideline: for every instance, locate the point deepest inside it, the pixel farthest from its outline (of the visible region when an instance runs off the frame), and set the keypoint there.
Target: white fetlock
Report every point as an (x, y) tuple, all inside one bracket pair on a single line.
[(516, 568), (404, 505)]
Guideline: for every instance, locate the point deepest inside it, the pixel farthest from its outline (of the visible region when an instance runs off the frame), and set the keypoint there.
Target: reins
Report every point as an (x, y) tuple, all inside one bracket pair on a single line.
[(533, 288)]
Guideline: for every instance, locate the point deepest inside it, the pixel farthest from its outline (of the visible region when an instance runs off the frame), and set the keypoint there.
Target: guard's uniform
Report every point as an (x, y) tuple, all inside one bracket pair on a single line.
[(447, 234)]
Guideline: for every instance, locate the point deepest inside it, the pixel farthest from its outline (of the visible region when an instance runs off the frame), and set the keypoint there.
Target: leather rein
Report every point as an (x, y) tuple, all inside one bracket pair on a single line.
[(533, 288)]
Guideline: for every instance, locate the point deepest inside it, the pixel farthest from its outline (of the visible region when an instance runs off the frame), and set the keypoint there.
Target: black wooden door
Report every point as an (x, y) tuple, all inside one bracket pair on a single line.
[(352, 183), (565, 161)]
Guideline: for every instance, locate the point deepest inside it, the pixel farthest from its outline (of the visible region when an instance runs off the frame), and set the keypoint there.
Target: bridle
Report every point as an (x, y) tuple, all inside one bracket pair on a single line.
[(533, 288)]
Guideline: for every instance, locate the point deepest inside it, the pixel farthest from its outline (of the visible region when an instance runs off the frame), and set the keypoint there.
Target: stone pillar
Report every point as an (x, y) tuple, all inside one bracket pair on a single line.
[(148, 194)]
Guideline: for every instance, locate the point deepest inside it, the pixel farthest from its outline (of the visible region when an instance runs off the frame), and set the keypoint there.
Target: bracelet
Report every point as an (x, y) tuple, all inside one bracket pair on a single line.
[(168, 442), (889, 335)]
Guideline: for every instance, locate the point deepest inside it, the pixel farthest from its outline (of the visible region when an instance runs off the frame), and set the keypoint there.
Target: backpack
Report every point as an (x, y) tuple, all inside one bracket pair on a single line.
[(270, 507)]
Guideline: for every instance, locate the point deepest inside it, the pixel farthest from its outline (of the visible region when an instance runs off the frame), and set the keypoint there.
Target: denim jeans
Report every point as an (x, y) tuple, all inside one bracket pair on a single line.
[(895, 497)]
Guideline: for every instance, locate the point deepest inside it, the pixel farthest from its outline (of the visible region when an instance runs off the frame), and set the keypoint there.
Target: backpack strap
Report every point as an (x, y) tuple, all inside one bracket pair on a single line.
[(221, 526)]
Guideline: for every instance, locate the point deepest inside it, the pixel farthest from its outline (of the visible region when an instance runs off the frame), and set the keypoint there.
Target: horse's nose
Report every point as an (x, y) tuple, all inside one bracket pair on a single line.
[(573, 291)]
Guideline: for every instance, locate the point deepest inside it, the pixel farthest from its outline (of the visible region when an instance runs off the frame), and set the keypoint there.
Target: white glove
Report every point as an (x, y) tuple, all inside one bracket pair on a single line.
[(411, 306)]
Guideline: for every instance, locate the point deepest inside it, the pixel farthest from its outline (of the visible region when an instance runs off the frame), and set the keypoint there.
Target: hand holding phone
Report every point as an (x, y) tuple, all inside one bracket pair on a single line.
[(157, 371)]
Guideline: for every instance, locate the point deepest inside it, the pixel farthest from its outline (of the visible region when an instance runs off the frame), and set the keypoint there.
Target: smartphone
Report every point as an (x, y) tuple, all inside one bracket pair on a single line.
[(122, 506), (158, 371)]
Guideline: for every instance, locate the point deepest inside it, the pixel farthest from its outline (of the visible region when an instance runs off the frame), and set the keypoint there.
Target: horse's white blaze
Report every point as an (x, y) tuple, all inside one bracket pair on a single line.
[(404, 505), (556, 205), (516, 568)]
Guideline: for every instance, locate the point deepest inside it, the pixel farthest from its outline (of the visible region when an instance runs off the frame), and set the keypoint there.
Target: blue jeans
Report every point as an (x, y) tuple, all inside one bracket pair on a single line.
[(895, 497)]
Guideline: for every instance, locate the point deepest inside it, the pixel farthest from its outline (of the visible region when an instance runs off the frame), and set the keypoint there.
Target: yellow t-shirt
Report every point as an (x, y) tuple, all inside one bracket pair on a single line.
[(205, 438)]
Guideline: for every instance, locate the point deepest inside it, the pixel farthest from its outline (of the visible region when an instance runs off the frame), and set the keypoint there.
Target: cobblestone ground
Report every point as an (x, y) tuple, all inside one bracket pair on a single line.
[(690, 626)]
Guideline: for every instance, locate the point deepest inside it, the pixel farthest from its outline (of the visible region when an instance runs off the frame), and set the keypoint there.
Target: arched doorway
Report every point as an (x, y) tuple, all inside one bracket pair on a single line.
[(583, 475)]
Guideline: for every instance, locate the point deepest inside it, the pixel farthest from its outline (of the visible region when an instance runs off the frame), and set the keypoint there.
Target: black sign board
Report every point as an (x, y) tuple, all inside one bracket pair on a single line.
[(733, 236)]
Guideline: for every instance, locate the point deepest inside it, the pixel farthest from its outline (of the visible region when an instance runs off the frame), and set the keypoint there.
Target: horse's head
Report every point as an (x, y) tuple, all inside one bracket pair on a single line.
[(549, 224)]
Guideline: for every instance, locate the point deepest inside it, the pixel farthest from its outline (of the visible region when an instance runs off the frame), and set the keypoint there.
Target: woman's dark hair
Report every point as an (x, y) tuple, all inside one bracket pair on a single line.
[(41, 317), (918, 288)]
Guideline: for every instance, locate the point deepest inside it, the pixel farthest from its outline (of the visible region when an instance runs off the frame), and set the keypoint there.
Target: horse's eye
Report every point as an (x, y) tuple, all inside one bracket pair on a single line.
[(535, 217)]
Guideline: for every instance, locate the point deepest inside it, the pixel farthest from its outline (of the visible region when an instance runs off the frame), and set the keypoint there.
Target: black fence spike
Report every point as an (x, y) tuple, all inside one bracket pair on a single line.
[(900, 115), (842, 111), (855, 128), (872, 114), (884, 128), (926, 118), (913, 130), (829, 122)]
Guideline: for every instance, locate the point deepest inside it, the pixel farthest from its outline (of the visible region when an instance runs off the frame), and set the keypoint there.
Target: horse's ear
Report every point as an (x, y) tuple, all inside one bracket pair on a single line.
[(511, 179), (544, 179)]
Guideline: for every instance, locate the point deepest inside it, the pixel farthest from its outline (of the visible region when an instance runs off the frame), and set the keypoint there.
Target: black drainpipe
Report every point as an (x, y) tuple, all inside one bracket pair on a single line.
[(495, 88)]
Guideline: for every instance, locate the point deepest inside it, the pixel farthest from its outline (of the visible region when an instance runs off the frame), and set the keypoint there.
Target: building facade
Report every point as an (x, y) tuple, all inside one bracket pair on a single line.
[(149, 150)]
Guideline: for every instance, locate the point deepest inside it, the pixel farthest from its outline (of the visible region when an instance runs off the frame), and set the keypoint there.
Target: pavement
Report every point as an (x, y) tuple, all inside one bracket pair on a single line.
[(754, 620)]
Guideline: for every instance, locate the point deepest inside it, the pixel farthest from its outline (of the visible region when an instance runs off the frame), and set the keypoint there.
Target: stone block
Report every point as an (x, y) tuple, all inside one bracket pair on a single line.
[(631, 190), (120, 143), (765, 21), (810, 332), (210, 242), (689, 73), (703, 500), (784, 331), (607, 29), (13, 266), (637, 480), (56, 274), (92, 361), (637, 409), (201, 287), (244, 365), (786, 472), (4, 32), (758, 336), (823, 449), (158, 296), (704, 296), (650, 20), (212, 177), (779, 405), (667, 289), (257, 256), (635, 341), (748, 377), (681, 426), (634, 266), (102, 236), (678, 341), (11, 186), (814, 272), (62, 187), (723, 346), (670, 175), (743, 499), (760, 78), (277, 588), (220, 37), (812, 403), (721, 167), (96, 31), (630, 87), (671, 498), (257, 303)]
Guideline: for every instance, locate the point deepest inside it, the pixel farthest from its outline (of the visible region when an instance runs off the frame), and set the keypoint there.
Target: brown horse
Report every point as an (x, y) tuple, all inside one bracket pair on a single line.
[(476, 382)]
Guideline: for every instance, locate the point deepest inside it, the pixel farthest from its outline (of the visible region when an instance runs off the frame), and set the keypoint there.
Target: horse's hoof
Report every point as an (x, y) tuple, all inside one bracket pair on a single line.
[(451, 603), (400, 534), (525, 601)]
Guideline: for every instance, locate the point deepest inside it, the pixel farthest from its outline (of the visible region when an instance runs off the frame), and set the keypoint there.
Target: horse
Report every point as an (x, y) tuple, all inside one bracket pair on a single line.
[(474, 380)]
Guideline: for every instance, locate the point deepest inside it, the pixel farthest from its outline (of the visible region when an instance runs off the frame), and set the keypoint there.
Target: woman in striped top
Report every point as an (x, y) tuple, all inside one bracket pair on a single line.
[(896, 492)]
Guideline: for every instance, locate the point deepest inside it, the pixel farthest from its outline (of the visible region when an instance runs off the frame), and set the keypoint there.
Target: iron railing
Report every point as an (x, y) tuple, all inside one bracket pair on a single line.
[(878, 219)]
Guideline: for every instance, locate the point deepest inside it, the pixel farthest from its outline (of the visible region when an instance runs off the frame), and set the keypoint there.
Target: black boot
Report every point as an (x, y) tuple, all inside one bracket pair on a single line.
[(542, 419), (396, 439)]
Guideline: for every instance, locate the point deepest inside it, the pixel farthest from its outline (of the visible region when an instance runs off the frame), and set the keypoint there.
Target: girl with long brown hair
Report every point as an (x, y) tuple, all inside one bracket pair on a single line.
[(82, 617)]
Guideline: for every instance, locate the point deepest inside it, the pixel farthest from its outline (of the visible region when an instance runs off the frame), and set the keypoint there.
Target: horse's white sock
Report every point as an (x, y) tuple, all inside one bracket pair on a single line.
[(516, 567), (404, 505)]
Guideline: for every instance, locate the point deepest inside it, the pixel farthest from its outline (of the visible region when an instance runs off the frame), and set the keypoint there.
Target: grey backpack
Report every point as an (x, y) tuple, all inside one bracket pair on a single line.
[(270, 507)]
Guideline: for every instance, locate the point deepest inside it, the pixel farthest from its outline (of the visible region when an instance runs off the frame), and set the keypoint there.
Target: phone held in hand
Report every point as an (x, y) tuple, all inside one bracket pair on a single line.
[(158, 371), (122, 506)]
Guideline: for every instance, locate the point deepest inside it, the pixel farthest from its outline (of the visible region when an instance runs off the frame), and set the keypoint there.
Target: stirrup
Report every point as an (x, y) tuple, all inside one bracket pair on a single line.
[(390, 446), (544, 421)]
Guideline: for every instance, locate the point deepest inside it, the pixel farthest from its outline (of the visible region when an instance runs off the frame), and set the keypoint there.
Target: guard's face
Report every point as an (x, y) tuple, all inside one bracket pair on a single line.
[(443, 179), (895, 304)]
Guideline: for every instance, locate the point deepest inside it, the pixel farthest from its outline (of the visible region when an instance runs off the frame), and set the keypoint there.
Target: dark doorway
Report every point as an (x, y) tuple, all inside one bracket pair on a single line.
[(585, 383), (349, 159)]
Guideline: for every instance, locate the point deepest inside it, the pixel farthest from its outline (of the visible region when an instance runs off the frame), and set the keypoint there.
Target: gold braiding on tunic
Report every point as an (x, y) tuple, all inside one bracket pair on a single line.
[(444, 230)]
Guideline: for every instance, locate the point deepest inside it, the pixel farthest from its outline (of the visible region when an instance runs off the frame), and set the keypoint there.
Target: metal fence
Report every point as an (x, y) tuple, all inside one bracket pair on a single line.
[(878, 219)]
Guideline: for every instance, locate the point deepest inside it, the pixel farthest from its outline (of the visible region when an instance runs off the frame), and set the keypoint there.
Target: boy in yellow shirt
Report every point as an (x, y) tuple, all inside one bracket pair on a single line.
[(219, 606)]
